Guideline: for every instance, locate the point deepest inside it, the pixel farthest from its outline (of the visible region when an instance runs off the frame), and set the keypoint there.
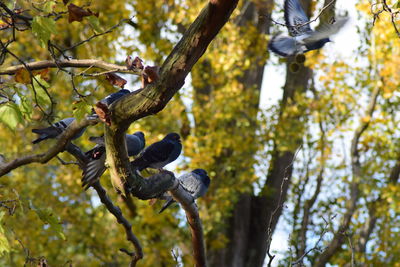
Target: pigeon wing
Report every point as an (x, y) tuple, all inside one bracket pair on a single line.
[(158, 152), (326, 30), (283, 45), (294, 17), (95, 168)]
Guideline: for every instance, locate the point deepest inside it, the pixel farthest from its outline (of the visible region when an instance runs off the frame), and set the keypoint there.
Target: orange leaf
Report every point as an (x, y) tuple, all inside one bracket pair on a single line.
[(22, 76), (134, 64), (44, 74)]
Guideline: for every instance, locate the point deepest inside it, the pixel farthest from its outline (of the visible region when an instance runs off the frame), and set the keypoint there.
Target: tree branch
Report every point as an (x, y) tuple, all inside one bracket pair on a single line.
[(116, 211), (60, 146), (74, 63), (192, 215)]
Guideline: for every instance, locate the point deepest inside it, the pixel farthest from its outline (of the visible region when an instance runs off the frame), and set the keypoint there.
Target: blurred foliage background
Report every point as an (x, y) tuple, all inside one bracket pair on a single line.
[(329, 147)]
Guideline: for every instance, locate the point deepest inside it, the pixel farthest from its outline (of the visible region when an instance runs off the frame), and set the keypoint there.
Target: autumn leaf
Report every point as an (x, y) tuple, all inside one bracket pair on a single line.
[(77, 13), (134, 64), (22, 76), (149, 75), (44, 74), (114, 79)]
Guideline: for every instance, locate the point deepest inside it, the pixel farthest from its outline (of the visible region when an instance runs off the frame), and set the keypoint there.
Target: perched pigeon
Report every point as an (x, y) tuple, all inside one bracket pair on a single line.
[(108, 100), (54, 130), (160, 153), (302, 39), (95, 168), (195, 182)]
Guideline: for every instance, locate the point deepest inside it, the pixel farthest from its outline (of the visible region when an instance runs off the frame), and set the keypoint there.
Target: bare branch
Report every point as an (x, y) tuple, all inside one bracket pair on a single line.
[(300, 260), (74, 63), (116, 211)]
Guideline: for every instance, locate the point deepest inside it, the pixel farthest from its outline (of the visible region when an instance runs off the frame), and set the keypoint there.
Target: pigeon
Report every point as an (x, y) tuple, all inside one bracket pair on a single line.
[(111, 98), (159, 154), (55, 130), (302, 38), (195, 182), (96, 166)]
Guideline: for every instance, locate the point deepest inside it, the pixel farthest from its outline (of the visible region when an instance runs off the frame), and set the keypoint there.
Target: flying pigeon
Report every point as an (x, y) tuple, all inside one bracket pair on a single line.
[(54, 130), (159, 154), (302, 38), (195, 182), (96, 166)]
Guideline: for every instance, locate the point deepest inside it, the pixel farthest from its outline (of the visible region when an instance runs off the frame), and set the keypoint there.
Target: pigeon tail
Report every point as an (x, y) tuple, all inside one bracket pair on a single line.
[(95, 168), (167, 204), (140, 164), (40, 139)]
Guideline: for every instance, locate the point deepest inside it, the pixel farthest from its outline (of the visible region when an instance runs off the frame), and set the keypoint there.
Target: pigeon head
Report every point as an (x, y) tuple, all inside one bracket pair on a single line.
[(204, 176), (173, 136), (139, 134)]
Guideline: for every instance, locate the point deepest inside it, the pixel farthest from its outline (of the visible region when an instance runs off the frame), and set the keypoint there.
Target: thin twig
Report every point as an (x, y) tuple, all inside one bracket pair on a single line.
[(306, 23), (278, 206)]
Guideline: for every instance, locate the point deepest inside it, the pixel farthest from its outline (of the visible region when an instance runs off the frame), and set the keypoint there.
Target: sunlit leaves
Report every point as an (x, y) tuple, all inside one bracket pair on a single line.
[(41, 94), (4, 244), (95, 23), (81, 109), (42, 28), (10, 115)]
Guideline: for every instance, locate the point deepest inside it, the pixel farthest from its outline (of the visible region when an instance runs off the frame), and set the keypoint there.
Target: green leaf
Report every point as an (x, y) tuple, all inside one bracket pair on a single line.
[(47, 216), (81, 109), (42, 28), (397, 5), (42, 97), (4, 244), (95, 23), (10, 115), (48, 6), (26, 107)]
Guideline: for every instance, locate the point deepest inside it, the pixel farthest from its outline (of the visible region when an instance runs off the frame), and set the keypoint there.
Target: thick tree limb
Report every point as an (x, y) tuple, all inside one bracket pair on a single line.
[(74, 63), (62, 142), (153, 99)]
